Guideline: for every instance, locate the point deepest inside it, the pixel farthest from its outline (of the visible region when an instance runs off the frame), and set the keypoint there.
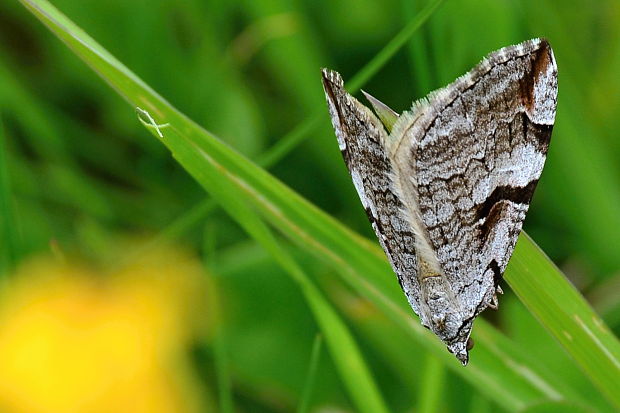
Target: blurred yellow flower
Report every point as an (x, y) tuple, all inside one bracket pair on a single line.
[(72, 340)]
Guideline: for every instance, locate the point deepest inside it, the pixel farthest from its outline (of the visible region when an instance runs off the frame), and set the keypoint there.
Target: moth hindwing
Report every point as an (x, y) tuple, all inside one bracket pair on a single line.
[(446, 185)]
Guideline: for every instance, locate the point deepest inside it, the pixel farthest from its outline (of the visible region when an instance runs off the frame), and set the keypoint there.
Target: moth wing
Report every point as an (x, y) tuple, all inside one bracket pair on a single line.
[(362, 138), (476, 151)]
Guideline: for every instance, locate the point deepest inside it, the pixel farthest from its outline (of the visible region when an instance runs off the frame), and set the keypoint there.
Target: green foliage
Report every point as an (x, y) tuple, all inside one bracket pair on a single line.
[(8, 233), (250, 85)]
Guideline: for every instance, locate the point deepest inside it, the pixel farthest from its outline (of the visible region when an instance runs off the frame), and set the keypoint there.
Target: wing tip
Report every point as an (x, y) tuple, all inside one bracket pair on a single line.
[(331, 77), (541, 85), (460, 350)]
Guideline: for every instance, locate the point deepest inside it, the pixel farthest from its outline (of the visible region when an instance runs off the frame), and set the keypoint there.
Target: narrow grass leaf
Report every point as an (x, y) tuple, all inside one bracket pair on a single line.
[(220, 345), (304, 403), (304, 129), (221, 362), (418, 54), (344, 350), (567, 315), (394, 45), (432, 386)]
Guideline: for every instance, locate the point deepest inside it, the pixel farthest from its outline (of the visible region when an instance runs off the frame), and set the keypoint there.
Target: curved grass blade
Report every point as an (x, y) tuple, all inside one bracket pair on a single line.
[(563, 311), (304, 129), (221, 361), (311, 378), (372, 67), (220, 347), (343, 348), (432, 385), (499, 371)]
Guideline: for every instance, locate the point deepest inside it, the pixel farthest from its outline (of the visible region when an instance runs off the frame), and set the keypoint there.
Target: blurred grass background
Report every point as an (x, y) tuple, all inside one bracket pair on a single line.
[(79, 173)]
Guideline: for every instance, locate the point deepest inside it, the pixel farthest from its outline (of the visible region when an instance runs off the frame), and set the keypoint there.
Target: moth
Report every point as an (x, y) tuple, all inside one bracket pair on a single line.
[(446, 185)]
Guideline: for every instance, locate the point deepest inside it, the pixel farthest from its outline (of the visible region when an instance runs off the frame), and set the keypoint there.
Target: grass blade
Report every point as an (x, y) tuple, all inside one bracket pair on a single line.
[(565, 313), (220, 355), (220, 348), (372, 67), (310, 380), (343, 348), (432, 386), (298, 134)]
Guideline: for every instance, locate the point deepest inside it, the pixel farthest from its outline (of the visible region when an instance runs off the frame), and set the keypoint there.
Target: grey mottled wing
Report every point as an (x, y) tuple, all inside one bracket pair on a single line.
[(447, 190), (473, 153), (361, 138)]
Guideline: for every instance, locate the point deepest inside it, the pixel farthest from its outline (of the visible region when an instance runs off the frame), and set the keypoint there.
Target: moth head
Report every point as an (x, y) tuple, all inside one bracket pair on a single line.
[(460, 350), (462, 344), (444, 316)]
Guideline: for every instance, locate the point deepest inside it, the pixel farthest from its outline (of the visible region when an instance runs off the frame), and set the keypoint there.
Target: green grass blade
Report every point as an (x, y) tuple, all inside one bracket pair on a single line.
[(289, 142), (302, 131), (220, 342), (296, 136), (418, 54), (304, 403), (500, 370), (201, 210), (372, 67), (220, 356), (566, 314), (343, 348), (432, 386), (497, 368)]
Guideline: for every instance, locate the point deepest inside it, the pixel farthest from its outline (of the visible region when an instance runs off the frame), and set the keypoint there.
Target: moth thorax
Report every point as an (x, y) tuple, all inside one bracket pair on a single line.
[(427, 269)]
